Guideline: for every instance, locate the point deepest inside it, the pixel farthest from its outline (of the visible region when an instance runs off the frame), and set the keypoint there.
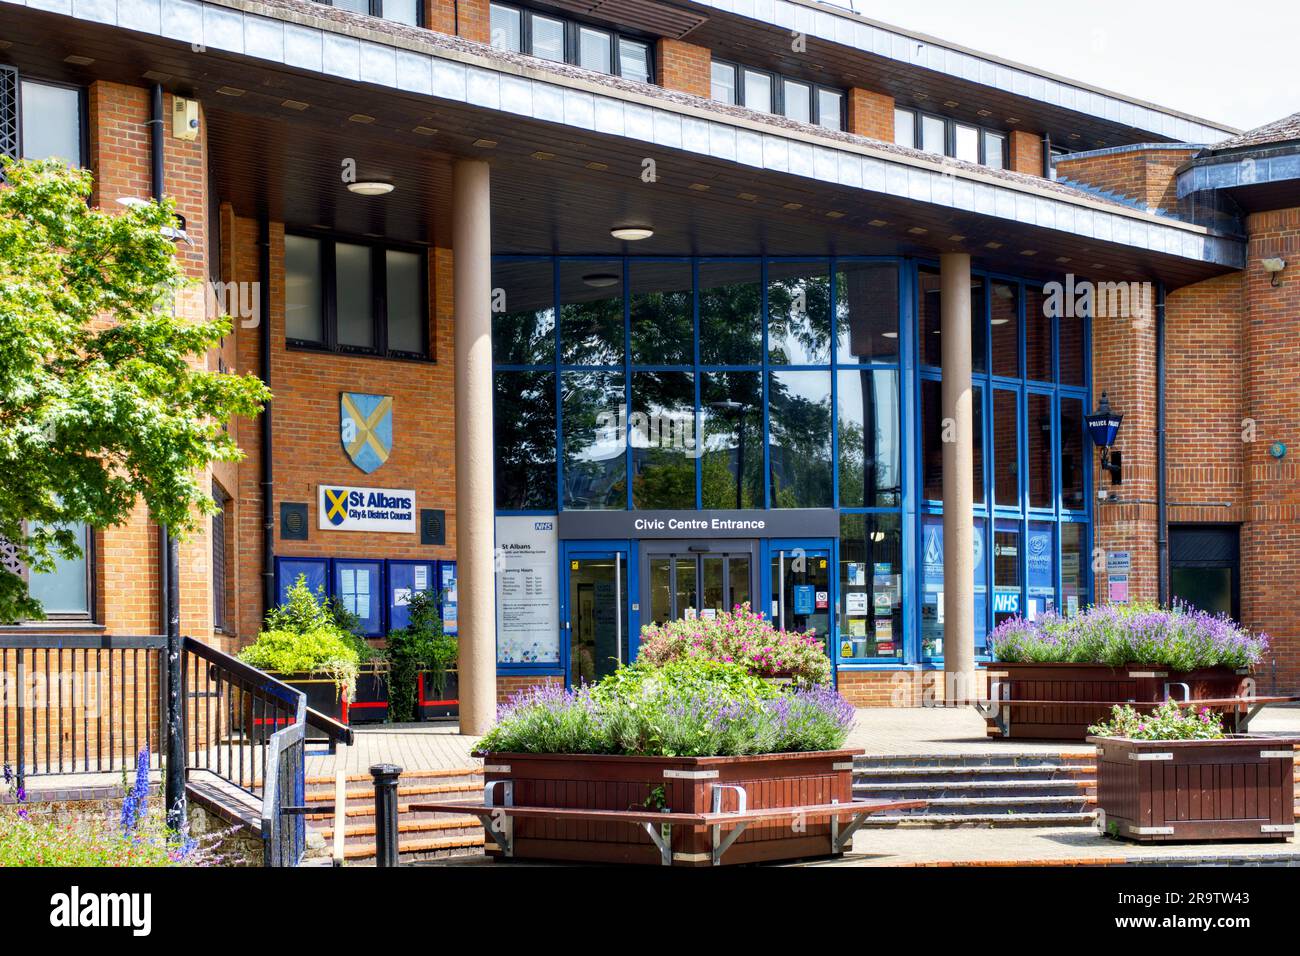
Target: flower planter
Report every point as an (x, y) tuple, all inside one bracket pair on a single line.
[(370, 706), (1077, 686), (324, 695), (434, 704), (1163, 791), (602, 782)]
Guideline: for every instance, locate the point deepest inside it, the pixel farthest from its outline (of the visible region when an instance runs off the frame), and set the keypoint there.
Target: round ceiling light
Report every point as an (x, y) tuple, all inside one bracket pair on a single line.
[(602, 280), (370, 188), (631, 233)]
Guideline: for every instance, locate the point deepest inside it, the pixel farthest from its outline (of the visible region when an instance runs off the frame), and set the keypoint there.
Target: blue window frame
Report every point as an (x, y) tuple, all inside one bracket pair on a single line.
[(861, 325), (405, 579), (315, 571), (358, 585)]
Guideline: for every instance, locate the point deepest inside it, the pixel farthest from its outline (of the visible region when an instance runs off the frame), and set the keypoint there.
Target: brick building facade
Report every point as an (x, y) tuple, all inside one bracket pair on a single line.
[(861, 169)]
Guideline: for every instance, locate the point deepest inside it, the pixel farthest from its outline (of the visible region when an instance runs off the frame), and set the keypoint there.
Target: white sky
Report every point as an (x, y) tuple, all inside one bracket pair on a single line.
[(1229, 62)]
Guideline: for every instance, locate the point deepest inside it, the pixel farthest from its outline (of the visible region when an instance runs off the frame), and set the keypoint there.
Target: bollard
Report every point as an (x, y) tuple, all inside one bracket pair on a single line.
[(385, 775)]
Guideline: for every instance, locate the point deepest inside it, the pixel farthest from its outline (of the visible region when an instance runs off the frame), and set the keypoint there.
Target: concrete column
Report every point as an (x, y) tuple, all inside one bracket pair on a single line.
[(958, 469), (471, 233)]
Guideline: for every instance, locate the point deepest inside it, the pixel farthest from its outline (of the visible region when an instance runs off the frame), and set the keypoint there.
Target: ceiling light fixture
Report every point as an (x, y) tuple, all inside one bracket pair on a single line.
[(631, 233), (601, 280), (370, 188)]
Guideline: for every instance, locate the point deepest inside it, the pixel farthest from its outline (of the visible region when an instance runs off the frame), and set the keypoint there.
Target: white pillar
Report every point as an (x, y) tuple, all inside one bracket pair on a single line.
[(471, 231), (958, 473)]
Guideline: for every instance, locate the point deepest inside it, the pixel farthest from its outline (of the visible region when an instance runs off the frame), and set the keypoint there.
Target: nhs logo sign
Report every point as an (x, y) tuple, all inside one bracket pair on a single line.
[(1006, 602), (543, 525)]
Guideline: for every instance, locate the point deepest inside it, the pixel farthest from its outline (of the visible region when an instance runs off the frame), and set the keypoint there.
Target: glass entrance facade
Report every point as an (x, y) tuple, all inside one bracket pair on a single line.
[(798, 385)]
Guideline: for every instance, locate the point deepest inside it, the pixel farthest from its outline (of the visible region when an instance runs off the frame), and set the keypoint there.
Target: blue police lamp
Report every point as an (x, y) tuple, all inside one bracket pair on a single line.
[(1103, 426)]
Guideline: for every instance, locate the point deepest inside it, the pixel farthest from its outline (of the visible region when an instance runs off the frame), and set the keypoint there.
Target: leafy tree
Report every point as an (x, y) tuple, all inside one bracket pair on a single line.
[(100, 400)]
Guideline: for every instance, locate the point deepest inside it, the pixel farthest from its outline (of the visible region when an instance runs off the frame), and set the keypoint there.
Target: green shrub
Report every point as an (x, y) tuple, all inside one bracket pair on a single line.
[(420, 646), (690, 707), (1167, 722), (304, 636)]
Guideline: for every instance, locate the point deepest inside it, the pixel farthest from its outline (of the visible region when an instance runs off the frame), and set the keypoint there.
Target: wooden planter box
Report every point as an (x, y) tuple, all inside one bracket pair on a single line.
[(1077, 685), (598, 782), (430, 704), (1164, 791)]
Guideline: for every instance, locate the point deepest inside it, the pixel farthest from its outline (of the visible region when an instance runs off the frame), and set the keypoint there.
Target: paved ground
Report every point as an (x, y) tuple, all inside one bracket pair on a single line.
[(1028, 846), (439, 746)]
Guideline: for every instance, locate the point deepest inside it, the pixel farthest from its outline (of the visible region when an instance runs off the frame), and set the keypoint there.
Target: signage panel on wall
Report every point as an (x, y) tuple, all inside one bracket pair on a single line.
[(777, 523), (346, 508), (527, 590)]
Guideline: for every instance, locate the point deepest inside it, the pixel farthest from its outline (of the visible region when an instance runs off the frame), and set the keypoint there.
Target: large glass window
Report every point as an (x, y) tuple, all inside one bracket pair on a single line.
[(869, 441), (800, 420), (1006, 448), (731, 410), (1038, 450), (731, 313), (948, 137), (354, 294), (51, 122), (1038, 337), (1006, 571), (1074, 460), (399, 11), (798, 314), (64, 591), (355, 297), (1074, 567), (1004, 324), (524, 433), (932, 585), (935, 433), (304, 314), (591, 312), (1040, 569), (663, 437), (663, 313), (772, 93), (929, 320), (551, 38), (523, 312), (866, 312), (870, 618), (594, 421)]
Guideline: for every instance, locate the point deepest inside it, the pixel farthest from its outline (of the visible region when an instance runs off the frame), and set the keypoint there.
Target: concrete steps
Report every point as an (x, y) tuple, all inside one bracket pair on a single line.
[(993, 789), (421, 835), (983, 790)]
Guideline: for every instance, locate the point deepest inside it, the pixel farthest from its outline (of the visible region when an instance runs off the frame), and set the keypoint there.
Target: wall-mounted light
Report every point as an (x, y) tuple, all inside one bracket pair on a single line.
[(1274, 268), (1103, 426)]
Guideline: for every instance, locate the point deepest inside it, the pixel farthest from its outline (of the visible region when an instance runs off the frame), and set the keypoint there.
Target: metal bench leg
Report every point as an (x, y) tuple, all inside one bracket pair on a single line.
[(662, 835), (500, 825), (840, 838), (721, 843)]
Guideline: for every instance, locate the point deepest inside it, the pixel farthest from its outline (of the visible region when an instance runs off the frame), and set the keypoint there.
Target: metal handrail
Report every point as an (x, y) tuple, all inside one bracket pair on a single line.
[(283, 745)]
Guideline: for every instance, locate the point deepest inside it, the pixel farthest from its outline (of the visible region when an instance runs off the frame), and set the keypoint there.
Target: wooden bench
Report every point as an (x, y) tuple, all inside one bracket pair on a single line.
[(724, 826), (1240, 711)]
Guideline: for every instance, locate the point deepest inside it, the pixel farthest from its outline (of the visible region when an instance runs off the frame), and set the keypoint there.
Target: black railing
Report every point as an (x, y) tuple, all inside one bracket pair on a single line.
[(80, 704), (77, 704)]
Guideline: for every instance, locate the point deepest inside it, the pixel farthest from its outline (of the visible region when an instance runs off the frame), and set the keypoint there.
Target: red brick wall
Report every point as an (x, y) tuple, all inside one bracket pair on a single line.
[(470, 18), (1271, 541), (1026, 152), (306, 386), (1146, 176), (1124, 367), (684, 66), (127, 556), (896, 688), (871, 114), (508, 686)]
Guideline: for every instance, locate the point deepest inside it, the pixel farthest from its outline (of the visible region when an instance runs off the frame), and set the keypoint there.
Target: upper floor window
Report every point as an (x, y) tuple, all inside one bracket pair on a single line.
[(948, 137), (64, 592), (360, 297), (41, 120), (562, 41), (773, 93), (399, 11)]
